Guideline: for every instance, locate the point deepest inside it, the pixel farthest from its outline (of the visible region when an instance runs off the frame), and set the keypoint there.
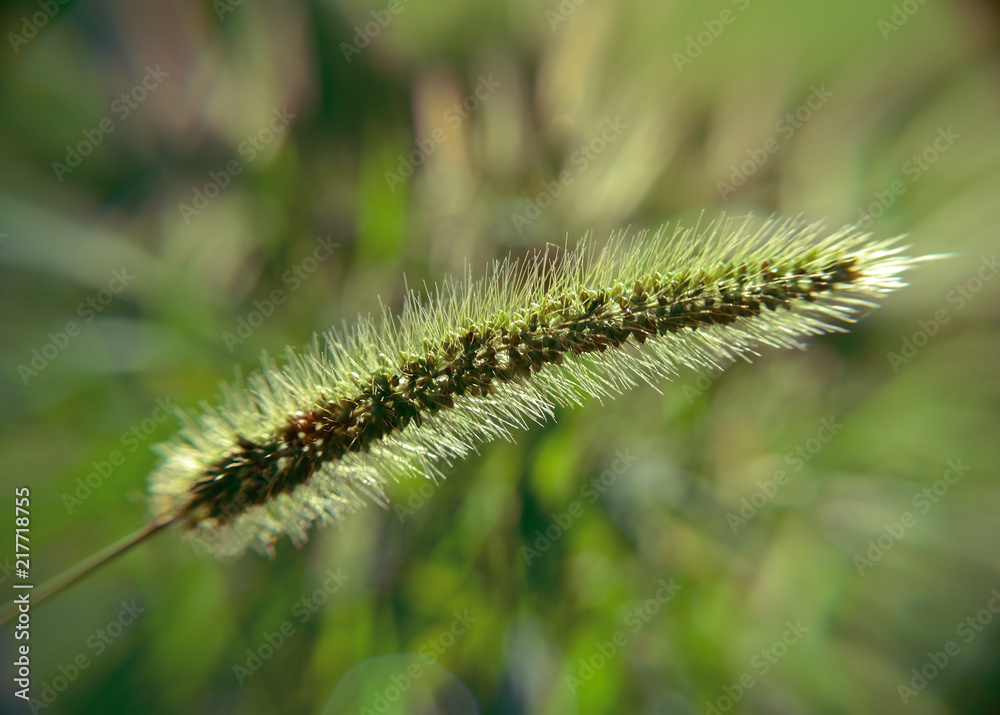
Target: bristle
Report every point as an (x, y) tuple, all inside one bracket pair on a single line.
[(321, 435)]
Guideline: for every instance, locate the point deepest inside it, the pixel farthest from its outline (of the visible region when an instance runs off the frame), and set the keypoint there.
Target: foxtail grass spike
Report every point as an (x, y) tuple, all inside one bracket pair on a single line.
[(321, 434)]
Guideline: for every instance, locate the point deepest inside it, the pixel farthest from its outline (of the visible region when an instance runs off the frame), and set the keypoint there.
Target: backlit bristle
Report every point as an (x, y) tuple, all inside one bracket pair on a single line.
[(321, 435)]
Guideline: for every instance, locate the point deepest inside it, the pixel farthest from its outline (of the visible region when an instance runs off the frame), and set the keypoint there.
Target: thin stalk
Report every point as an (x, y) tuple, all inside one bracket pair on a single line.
[(74, 573)]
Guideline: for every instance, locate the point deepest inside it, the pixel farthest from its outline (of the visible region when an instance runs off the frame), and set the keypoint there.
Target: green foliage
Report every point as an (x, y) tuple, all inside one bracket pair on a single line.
[(834, 457)]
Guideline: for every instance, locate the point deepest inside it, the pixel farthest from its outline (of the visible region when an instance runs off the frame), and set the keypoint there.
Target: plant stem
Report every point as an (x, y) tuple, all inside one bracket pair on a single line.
[(74, 573)]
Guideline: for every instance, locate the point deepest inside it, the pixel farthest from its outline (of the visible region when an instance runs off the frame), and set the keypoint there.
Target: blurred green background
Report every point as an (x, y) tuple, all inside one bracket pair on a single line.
[(206, 151)]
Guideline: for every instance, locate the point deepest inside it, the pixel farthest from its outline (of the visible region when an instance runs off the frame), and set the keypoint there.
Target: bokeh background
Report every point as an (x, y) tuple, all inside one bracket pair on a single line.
[(209, 152)]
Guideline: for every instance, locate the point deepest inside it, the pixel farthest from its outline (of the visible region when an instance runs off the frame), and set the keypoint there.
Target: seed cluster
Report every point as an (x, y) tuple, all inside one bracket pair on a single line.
[(505, 349)]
